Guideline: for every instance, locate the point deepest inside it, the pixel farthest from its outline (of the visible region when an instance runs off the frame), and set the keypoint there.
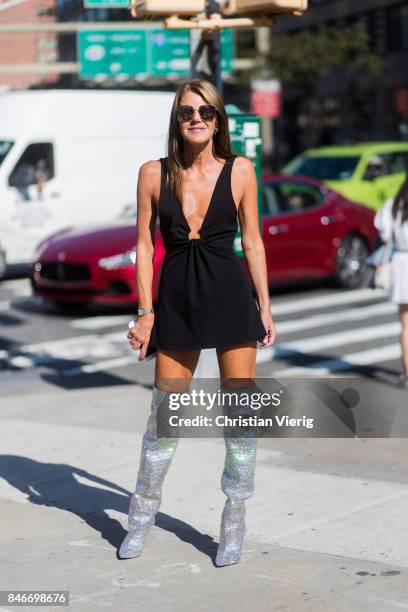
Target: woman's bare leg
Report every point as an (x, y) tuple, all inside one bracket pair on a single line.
[(238, 362), (177, 366)]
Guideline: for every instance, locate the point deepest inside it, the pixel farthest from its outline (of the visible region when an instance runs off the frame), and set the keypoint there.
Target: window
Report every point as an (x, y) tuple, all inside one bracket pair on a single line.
[(287, 197), (324, 168), (36, 162), (399, 162), (5, 146), (385, 164), (299, 196), (270, 204), (377, 166), (397, 27)]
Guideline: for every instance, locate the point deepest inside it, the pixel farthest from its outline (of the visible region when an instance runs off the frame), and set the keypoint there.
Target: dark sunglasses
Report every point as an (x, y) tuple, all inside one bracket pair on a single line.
[(185, 112)]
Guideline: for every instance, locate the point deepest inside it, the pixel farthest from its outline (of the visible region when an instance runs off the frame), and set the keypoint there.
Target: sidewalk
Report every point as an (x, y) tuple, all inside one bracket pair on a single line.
[(327, 527)]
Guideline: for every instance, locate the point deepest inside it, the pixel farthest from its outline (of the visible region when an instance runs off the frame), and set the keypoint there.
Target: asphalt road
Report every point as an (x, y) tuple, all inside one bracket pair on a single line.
[(321, 331)]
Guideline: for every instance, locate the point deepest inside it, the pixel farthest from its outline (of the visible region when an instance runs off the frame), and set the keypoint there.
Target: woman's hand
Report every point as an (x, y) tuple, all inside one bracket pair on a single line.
[(139, 334), (270, 328)]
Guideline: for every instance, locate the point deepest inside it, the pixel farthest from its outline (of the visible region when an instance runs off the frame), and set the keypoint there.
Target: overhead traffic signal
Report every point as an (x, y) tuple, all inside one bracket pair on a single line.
[(263, 7), (146, 8)]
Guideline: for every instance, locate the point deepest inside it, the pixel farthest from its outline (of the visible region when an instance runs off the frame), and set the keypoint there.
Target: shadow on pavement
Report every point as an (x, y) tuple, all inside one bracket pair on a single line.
[(57, 485)]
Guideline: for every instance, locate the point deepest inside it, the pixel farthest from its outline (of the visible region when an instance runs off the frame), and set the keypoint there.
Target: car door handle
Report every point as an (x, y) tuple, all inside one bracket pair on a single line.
[(278, 229)]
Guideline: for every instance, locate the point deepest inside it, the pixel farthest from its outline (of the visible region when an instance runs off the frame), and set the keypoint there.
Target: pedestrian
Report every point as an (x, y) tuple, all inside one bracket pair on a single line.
[(392, 224), (205, 299)]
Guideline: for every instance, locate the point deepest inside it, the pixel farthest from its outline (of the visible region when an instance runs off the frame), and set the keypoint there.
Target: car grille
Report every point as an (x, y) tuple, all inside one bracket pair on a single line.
[(65, 272)]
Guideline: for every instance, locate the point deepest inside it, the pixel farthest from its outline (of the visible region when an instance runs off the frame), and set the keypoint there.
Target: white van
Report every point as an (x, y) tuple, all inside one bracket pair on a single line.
[(71, 157)]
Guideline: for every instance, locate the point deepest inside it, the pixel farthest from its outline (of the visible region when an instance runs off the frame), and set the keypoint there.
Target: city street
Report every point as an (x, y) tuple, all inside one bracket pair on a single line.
[(326, 528), (320, 331)]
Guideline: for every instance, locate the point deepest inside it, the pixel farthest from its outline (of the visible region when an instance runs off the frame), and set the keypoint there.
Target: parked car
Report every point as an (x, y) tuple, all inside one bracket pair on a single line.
[(91, 264), (310, 231), (367, 173)]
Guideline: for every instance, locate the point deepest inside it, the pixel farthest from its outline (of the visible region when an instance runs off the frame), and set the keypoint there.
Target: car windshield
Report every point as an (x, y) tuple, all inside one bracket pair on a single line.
[(5, 146), (324, 168)]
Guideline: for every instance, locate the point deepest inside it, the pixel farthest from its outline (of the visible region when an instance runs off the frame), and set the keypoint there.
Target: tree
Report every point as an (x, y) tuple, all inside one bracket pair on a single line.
[(312, 60)]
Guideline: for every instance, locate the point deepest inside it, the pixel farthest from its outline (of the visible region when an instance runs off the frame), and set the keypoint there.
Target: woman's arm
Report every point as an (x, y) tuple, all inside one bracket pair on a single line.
[(245, 183), (383, 220), (148, 185)]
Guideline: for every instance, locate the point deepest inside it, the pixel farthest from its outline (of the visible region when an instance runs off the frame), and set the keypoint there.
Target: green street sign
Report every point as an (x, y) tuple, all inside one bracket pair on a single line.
[(227, 50), (169, 52), (147, 53), (107, 4), (246, 139), (107, 53)]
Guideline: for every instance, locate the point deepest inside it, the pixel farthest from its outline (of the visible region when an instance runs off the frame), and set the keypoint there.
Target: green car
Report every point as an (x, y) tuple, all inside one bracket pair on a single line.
[(368, 173)]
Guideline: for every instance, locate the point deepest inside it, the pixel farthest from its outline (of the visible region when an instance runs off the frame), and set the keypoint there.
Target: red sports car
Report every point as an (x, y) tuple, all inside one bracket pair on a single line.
[(308, 230)]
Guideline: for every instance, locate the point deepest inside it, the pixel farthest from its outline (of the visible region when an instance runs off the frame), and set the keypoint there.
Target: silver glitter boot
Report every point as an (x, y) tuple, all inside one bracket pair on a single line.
[(156, 456), (238, 484)]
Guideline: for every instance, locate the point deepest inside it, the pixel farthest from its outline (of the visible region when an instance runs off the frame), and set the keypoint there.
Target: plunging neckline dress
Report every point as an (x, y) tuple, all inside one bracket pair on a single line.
[(205, 298)]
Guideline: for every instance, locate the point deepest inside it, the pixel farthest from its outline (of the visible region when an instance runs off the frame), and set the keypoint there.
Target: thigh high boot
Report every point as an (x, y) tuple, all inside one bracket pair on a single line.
[(155, 459), (238, 483)]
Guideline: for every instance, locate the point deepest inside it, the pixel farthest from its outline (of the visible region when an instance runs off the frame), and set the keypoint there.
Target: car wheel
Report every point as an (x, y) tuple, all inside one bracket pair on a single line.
[(351, 268)]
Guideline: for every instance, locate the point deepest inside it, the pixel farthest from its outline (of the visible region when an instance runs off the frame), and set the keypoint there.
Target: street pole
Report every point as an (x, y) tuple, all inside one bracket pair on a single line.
[(214, 54), (207, 44)]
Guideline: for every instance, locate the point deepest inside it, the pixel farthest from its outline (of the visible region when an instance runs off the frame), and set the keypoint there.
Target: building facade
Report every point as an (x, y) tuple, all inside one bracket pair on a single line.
[(386, 23), (27, 47)]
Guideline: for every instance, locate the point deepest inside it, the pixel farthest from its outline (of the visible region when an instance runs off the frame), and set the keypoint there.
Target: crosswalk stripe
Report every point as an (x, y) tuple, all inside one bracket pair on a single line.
[(324, 301), (90, 346), (341, 316), (108, 364), (344, 337), (328, 341), (323, 367), (100, 322)]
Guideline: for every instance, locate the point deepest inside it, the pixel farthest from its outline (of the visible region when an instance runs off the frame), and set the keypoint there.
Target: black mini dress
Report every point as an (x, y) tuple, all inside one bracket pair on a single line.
[(205, 297)]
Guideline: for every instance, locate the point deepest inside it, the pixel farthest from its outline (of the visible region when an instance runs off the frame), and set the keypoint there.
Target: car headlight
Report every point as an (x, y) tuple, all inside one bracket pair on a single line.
[(118, 261)]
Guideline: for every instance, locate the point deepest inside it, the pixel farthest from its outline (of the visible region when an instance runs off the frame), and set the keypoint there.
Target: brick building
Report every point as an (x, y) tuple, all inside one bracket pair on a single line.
[(27, 47)]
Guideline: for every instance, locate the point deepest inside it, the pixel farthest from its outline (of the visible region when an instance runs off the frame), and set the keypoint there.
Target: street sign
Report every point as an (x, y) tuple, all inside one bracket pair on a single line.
[(107, 53), (266, 98), (107, 4), (246, 139), (142, 53), (227, 50), (169, 52)]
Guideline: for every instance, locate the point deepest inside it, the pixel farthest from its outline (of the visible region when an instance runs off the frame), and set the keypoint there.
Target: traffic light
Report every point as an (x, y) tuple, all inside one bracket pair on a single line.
[(146, 8), (263, 7)]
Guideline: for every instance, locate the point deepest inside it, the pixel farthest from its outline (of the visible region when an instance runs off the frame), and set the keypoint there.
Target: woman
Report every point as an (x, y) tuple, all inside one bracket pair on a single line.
[(392, 223), (205, 298)]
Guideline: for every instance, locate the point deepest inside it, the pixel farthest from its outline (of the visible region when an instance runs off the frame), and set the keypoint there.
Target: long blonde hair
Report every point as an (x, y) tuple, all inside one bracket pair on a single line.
[(175, 142)]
